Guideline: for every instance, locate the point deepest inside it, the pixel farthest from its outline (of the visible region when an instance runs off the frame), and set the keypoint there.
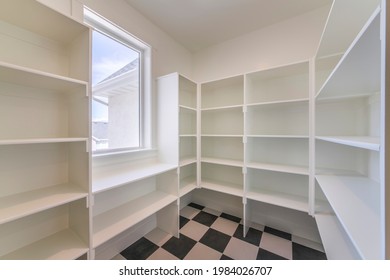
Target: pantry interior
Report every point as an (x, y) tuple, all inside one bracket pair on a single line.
[(283, 126)]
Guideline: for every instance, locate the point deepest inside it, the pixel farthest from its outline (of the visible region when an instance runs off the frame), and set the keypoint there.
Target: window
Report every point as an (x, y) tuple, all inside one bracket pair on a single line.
[(120, 88)]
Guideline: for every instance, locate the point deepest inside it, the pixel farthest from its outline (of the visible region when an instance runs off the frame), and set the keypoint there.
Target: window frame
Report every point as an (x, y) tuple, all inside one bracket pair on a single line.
[(104, 26)]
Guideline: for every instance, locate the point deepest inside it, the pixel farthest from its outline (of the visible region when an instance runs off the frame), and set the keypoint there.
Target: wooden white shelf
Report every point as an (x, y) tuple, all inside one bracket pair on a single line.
[(278, 102), (222, 135), (122, 175), (337, 245), (19, 75), (221, 161), (287, 136), (35, 17), (24, 204), (187, 135), (280, 199), (188, 108), (279, 168), (223, 187), (111, 223), (354, 198), (41, 141), (225, 93), (63, 245), (357, 72), (187, 185), (370, 143), (220, 108), (187, 160)]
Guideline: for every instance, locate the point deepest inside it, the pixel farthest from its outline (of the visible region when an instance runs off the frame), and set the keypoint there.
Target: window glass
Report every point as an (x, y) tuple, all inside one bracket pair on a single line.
[(115, 94)]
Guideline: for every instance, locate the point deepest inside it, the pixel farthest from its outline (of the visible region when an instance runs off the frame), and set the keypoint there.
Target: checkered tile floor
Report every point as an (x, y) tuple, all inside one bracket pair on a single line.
[(212, 235)]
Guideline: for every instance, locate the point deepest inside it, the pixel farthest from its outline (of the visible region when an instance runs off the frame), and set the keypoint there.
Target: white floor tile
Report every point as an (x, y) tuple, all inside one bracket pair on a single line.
[(225, 226), (203, 252), (241, 250), (189, 212), (276, 245), (118, 257), (194, 230), (162, 254), (158, 236)]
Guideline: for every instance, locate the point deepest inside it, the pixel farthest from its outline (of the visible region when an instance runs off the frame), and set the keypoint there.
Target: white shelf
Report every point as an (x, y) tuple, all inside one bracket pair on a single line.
[(122, 175), (278, 102), (280, 199), (24, 204), (278, 136), (223, 187), (19, 75), (35, 18), (187, 135), (187, 108), (223, 135), (279, 168), (187, 185), (220, 108), (370, 143), (187, 160), (223, 93), (337, 245), (41, 141), (63, 245), (117, 220), (221, 161), (356, 202), (357, 72)]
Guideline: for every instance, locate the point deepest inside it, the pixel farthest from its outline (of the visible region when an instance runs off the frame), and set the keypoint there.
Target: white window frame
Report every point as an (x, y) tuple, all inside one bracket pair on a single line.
[(110, 29)]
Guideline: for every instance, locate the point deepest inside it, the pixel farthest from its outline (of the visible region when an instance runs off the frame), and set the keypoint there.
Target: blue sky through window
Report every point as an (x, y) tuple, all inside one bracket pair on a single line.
[(108, 56)]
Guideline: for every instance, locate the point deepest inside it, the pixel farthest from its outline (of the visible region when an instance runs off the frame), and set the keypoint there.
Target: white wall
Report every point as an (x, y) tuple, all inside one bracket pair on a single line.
[(286, 42)]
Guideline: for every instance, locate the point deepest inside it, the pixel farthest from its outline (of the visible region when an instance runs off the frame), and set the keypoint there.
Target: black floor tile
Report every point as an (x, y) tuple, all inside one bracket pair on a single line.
[(144, 248), (204, 218), (279, 233), (196, 206), (139, 250), (215, 239), (253, 236), (183, 221), (266, 255), (301, 252), (179, 247), (230, 217), (224, 257)]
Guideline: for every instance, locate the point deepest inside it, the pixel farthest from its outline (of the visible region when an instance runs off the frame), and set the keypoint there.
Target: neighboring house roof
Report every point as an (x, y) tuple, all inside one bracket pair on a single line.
[(123, 81), (128, 67)]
